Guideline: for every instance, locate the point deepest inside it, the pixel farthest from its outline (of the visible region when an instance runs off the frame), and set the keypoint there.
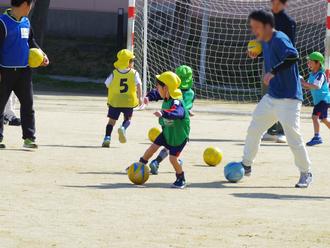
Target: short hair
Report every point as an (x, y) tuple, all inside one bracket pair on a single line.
[(17, 3), (262, 16), (284, 1)]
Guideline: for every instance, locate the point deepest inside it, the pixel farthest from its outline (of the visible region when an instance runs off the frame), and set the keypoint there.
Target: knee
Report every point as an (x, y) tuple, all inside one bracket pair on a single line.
[(315, 118), (112, 122)]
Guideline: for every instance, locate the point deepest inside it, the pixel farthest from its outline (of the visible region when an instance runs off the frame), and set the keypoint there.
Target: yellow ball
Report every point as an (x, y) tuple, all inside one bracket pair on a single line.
[(212, 156), (138, 173), (154, 133), (36, 57), (255, 46)]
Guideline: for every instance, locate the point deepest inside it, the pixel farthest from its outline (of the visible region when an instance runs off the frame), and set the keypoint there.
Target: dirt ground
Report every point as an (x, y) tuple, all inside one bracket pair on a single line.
[(72, 193)]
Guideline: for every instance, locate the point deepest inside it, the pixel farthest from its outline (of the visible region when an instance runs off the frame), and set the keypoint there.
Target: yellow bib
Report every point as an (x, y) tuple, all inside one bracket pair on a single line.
[(122, 90)]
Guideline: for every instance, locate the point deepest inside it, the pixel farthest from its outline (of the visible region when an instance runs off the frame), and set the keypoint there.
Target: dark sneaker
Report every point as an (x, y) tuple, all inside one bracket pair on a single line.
[(2, 145), (154, 166), (247, 170), (305, 180), (315, 141), (31, 144), (106, 142), (15, 122), (180, 182)]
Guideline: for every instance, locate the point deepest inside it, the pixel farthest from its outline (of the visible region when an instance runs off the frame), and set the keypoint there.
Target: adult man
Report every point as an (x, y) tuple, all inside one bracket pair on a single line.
[(284, 97), (16, 39), (284, 23)]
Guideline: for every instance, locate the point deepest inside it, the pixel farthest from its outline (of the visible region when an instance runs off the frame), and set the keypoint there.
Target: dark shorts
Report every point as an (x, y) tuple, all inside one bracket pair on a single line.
[(114, 113), (321, 110), (174, 150)]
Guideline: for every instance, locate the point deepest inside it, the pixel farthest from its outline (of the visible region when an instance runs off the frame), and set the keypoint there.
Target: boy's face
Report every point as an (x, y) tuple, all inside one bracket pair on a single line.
[(314, 65), (259, 29), (277, 5), (162, 90), (26, 8)]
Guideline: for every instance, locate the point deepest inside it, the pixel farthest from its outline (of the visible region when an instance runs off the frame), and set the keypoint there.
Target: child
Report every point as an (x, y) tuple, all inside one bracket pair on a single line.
[(16, 39), (124, 94), (175, 121), (185, 73), (319, 87)]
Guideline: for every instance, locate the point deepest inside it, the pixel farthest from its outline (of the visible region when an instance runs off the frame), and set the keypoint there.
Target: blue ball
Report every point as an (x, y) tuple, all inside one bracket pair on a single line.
[(234, 172)]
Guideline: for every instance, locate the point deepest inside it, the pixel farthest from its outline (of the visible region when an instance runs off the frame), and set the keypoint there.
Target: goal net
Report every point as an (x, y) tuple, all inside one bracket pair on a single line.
[(211, 36)]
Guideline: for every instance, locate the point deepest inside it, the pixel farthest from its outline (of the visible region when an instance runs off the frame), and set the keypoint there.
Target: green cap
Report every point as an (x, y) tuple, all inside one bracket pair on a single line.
[(316, 56), (185, 73)]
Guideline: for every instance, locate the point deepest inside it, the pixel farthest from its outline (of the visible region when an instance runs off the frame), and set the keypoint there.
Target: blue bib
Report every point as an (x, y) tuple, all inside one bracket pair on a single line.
[(14, 52), (322, 94)]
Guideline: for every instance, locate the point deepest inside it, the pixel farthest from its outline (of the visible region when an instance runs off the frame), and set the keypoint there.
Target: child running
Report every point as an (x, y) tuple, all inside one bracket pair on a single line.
[(124, 94), (319, 87), (175, 121), (185, 73)]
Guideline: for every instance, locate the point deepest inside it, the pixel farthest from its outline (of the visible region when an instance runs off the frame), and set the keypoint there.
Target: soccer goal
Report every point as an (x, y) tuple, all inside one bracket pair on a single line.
[(211, 36)]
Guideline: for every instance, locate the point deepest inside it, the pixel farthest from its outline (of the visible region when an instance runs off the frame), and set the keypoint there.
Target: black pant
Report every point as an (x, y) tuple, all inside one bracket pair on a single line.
[(20, 81)]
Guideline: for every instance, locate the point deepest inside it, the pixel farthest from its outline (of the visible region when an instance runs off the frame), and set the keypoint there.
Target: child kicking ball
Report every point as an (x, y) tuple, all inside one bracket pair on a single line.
[(175, 121), (319, 87), (124, 94), (185, 73)]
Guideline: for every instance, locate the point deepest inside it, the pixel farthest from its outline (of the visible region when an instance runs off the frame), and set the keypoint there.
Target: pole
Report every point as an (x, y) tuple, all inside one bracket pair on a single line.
[(327, 43), (130, 25), (145, 46)]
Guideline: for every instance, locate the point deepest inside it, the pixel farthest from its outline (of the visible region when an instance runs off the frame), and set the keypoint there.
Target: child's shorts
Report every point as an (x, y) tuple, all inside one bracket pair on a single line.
[(114, 113), (321, 110), (174, 150)]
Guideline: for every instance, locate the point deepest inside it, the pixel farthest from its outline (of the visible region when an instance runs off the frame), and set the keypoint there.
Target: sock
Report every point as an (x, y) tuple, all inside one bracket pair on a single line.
[(162, 155), (108, 130), (317, 135), (180, 176), (126, 124), (143, 161)]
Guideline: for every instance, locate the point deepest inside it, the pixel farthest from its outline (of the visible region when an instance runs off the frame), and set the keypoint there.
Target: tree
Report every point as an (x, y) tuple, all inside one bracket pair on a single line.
[(39, 19)]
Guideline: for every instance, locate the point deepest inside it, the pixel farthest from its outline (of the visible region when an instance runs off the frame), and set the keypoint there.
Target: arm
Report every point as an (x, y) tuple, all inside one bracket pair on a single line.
[(175, 112), (316, 85), (34, 44), (285, 64), (153, 96), (138, 83), (108, 81)]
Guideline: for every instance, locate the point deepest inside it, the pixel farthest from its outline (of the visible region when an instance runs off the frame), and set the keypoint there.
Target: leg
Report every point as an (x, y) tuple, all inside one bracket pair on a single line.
[(154, 165), (288, 112), (24, 92), (262, 118), (108, 132), (176, 164), (128, 113), (149, 153), (6, 87), (316, 125), (326, 122)]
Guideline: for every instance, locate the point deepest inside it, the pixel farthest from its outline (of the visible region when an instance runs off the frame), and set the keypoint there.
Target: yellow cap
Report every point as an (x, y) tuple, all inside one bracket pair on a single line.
[(123, 58), (173, 82)]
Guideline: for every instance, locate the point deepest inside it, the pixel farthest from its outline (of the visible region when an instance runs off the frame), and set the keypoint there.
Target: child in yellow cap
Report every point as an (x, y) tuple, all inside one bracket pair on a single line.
[(124, 94), (175, 121)]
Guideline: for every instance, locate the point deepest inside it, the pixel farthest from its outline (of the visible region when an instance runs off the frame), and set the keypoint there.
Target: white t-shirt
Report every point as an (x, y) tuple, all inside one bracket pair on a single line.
[(138, 81)]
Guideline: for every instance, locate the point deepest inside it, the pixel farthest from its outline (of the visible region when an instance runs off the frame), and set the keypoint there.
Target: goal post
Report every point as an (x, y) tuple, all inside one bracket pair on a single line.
[(211, 36)]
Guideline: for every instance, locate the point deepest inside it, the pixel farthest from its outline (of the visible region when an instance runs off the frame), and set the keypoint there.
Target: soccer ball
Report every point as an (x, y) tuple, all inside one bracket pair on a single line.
[(154, 133), (255, 46), (36, 57), (138, 173), (234, 172), (212, 156)]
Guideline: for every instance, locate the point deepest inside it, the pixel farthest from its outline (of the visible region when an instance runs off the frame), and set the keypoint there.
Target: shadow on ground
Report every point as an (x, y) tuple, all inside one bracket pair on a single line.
[(279, 197)]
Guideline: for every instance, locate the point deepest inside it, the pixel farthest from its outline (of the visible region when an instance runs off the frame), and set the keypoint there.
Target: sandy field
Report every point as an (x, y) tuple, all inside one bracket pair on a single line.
[(72, 193)]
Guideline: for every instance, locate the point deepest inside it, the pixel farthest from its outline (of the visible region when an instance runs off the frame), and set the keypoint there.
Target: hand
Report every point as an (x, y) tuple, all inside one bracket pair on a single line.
[(269, 76), (252, 55), (140, 101), (146, 100), (158, 114), (45, 62)]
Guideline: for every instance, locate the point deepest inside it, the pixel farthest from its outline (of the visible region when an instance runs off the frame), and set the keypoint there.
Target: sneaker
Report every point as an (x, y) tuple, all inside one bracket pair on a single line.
[(305, 180), (2, 145), (247, 170), (180, 182), (154, 166), (281, 139), (106, 142), (15, 122), (29, 143), (122, 135), (315, 141), (269, 137)]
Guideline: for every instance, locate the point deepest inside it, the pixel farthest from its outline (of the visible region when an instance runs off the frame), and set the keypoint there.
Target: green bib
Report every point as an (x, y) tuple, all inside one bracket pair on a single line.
[(188, 98), (175, 131)]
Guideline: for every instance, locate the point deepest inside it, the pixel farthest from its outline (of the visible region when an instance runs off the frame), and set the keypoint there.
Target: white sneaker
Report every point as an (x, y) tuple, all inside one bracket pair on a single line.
[(281, 139), (268, 137), (305, 180)]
